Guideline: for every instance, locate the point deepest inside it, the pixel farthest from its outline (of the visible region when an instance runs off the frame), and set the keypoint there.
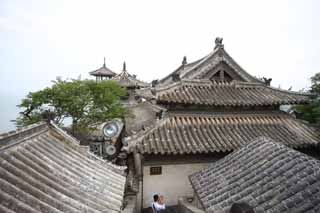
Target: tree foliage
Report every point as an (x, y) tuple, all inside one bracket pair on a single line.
[(86, 102), (311, 111)]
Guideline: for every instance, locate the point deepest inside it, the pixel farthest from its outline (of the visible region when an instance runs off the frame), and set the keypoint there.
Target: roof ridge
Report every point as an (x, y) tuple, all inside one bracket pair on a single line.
[(288, 91), (64, 133), (13, 138), (102, 69), (77, 142), (277, 125), (188, 65), (132, 140), (243, 70), (223, 114), (201, 61)]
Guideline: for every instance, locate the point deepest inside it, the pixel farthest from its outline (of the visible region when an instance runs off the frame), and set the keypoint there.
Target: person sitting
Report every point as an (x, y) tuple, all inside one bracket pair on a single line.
[(158, 204)]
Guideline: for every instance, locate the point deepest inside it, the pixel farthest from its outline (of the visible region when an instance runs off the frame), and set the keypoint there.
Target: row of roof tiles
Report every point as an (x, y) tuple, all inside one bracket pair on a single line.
[(268, 176), (227, 94), (196, 133), (123, 78), (46, 171), (197, 68)]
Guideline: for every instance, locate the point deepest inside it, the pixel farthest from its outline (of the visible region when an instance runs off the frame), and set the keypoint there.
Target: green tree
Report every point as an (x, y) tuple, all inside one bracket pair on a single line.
[(311, 111), (84, 101)]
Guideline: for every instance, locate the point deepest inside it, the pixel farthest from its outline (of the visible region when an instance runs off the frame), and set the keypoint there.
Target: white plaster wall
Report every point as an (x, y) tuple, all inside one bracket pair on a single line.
[(172, 183)]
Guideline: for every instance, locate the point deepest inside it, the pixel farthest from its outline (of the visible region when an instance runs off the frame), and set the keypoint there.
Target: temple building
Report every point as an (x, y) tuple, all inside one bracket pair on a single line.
[(212, 107), (206, 136)]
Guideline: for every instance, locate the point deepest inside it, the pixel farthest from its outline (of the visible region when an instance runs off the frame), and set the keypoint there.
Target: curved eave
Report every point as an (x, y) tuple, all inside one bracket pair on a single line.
[(278, 103), (185, 133), (103, 71)]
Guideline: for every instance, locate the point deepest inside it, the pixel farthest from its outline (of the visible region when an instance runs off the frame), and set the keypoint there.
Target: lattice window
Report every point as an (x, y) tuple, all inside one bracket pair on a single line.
[(155, 170)]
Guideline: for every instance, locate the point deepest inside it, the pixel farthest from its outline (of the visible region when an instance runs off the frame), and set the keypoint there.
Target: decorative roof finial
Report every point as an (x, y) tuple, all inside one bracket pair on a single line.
[(218, 42), (124, 66), (184, 60), (104, 61)]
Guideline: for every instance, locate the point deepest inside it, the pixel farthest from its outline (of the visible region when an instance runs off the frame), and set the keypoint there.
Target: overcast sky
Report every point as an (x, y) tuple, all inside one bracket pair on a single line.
[(40, 40)]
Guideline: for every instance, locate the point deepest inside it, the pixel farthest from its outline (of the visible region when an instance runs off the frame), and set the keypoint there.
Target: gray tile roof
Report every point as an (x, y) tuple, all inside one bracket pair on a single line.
[(184, 133), (199, 67), (196, 83), (235, 93), (265, 174), (42, 169), (129, 81), (103, 71)]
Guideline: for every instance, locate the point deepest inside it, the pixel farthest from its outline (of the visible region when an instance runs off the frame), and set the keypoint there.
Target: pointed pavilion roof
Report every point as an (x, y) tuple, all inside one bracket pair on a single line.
[(127, 80), (103, 71)]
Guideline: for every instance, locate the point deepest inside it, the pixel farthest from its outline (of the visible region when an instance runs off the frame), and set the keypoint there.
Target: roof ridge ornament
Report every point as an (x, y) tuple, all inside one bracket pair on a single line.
[(218, 43), (104, 61), (184, 60), (124, 66)]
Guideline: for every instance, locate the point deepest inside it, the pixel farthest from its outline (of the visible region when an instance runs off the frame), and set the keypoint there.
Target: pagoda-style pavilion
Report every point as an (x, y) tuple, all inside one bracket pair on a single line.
[(127, 80), (103, 73)]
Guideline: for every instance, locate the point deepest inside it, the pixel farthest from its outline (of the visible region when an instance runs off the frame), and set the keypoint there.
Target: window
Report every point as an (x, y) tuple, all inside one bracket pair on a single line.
[(156, 170)]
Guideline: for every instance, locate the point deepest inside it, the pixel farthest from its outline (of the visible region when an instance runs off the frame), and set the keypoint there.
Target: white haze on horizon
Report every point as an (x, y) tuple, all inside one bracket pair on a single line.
[(40, 40)]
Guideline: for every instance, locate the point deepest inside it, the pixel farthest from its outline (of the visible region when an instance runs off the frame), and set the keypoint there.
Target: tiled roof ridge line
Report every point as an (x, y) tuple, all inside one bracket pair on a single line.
[(226, 58), (226, 113), (237, 83), (77, 142), (124, 74), (288, 91), (18, 136), (64, 133), (20, 130), (169, 87), (201, 62), (253, 84), (133, 140), (136, 138), (240, 68), (178, 69), (206, 82)]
